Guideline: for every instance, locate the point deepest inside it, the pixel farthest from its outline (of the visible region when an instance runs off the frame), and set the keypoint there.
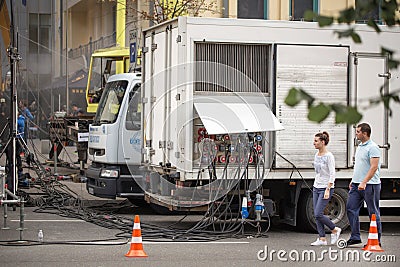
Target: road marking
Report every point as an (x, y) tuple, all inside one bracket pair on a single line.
[(49, 221), (101, 242), (195, 242), (384, 219)]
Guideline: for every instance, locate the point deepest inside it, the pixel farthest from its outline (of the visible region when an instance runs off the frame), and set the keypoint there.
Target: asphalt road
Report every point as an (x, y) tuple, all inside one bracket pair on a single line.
[(61, 235), (96, 232)]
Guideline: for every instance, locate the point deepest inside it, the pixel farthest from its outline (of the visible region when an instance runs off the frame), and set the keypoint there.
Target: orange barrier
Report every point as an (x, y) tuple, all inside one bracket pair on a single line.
[(136, 249), (373, 242)]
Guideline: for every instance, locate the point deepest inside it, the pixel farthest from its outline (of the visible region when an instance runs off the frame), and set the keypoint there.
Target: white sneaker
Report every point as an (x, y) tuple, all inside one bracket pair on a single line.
[(319, 242), (335, 236)]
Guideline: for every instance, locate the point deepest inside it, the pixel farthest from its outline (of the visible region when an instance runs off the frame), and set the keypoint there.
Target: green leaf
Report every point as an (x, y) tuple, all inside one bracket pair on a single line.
[(393, 64), (374, 102), (373, 25), (293, 98), (348, 115), (307, 97), (356, 38), (345, 33), (338, 108), (388, 11), (347, 16), (385, 51), (309, 15), (324, 21), (318, 113), (349, 33), (386, 100)]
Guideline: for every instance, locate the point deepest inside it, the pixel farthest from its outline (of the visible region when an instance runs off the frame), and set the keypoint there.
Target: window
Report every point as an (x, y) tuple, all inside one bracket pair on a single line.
[(102, 69), (298, 7), (134, 110), (108, 109), (364, 13), (39, 33), (251, 9)]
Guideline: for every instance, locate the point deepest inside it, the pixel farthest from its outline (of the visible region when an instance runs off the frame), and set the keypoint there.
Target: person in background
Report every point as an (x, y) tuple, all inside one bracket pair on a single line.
[(28, 117), (20, 136), (365, 184), (33, 108), (324, 165), (75, 110)]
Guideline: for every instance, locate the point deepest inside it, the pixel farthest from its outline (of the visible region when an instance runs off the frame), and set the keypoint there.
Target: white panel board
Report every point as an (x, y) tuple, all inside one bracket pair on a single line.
[(365, 90), (221, 118), (323, 72)]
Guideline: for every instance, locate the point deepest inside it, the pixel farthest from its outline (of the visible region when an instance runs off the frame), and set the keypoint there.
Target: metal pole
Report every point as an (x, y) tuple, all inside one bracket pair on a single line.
[(13, 55), (55, 156), (66, 52), (37, 71), (21, 218), (61, 36), (5, 227)]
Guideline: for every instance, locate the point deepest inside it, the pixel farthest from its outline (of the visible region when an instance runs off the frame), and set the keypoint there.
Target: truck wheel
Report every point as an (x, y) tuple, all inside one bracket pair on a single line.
[(335, 210)]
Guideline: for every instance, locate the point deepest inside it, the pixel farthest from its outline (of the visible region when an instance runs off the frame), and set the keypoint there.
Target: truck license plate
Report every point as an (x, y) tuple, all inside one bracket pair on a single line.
[(91, 191)]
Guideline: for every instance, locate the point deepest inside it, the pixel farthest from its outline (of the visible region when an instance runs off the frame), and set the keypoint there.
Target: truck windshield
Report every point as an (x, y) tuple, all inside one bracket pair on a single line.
[(102, 68), (108, 109)]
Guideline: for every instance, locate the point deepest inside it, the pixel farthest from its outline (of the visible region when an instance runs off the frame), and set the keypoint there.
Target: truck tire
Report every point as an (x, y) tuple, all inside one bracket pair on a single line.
[(335, 210)]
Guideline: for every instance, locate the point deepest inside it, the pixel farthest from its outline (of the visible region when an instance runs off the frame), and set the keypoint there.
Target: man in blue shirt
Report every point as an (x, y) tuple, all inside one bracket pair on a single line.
[(19, 148), (28, 117), (365, 184)]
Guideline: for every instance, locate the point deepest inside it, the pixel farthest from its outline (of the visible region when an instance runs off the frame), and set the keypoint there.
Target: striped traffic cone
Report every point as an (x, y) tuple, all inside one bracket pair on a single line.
[(136, 249), (373, 242)]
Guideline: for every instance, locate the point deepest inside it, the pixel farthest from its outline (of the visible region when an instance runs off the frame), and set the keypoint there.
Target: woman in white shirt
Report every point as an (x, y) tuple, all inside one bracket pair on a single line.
[(324, 165)]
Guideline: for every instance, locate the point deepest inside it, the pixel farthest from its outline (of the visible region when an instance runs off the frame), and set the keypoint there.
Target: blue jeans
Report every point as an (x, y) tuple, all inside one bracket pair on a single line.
[(371, 196), (319, 204)]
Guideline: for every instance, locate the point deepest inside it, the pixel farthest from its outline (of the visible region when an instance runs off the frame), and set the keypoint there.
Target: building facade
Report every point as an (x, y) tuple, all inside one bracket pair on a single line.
[(57, 37)]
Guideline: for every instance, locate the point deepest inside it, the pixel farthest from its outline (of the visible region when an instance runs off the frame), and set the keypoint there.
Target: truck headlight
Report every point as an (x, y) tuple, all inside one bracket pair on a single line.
[(109, 173)]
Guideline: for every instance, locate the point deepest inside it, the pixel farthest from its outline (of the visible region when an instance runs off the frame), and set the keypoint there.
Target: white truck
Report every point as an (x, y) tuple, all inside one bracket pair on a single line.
[(211, 116)]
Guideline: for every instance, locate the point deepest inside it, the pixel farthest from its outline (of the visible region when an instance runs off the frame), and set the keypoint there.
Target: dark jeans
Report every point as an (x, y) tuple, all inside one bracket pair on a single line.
[(319, 204), (371, 196)]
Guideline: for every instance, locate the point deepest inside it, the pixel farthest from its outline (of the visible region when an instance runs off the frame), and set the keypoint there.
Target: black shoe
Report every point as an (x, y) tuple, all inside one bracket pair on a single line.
[(351, 242)]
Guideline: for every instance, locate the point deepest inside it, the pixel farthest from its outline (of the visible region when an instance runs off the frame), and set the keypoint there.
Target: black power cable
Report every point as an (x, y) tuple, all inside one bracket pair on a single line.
[(219, 221)]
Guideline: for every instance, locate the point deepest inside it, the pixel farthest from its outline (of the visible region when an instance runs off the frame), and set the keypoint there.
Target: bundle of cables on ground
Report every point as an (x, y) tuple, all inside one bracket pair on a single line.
[(218, 222)]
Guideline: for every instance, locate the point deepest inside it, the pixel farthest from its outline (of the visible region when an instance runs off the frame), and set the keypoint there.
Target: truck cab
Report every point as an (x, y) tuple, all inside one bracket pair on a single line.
[(103, 64), (115, 139)]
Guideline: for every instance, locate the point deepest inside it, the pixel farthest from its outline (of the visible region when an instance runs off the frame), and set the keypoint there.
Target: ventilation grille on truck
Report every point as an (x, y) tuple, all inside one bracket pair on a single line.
[(231, 67)]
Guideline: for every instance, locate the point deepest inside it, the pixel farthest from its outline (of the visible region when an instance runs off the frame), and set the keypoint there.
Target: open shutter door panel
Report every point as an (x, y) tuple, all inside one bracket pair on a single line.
[(222, 118)]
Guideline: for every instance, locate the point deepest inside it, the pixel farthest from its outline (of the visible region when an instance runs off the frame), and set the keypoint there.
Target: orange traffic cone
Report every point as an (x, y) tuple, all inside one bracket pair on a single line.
[(373, 242), (136, 249)]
